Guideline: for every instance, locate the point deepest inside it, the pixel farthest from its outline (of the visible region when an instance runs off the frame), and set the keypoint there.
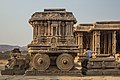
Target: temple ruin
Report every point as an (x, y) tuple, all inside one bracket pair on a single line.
[(56, 43), (101, 37)]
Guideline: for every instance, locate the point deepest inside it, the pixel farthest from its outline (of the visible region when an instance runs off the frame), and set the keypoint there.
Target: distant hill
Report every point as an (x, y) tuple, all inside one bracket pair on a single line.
[(11, 47)]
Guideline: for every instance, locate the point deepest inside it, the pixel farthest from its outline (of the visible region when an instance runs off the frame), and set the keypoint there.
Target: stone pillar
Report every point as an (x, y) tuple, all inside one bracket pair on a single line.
[(97, 42), (39, 29), (80, 42), (71, 28), (45, 29), (35, 30), (48, 28), (59, 28), (62, 28), (56, 29), (109, 43), (113, 42), (93, 41), (67, 28)]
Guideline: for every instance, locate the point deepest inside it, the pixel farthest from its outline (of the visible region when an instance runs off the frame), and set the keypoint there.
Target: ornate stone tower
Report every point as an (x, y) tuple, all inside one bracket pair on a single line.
[(53, 41)]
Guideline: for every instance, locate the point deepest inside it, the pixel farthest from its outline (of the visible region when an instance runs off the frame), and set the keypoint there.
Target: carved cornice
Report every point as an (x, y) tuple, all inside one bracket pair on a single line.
[(108, 25), (53, 15), (84, 27)]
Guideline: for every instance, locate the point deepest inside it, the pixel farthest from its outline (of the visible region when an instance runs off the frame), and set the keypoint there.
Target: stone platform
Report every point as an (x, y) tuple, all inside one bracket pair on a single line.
[(12, 72), (106, 72), (53, 73)]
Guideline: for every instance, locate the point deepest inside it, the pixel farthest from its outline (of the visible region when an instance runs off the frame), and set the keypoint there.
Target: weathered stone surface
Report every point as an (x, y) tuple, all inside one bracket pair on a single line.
[(101, 37), (114, 72), (94, 72), (100, 66), (53, 36), (53, 14), (53, 73), (13, 72), (101, 63), (100, 72)]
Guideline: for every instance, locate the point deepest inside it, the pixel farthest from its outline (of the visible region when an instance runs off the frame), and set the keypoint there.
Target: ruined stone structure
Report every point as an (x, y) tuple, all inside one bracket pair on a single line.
[(101, 37), (56, 43), (53, 41), (53, 49)]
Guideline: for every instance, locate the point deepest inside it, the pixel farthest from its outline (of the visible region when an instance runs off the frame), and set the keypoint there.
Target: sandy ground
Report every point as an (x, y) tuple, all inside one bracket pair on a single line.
[(3, 62), (22, 77), (59, 78)]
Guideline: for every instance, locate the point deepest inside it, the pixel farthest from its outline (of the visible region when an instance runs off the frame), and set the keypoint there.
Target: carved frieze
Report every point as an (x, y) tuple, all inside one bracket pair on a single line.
[(107, 26), (67, 16)]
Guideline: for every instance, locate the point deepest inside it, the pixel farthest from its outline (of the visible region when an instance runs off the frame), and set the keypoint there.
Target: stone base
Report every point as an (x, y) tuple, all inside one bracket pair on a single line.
[(114, 72), (12, 72), (53, 73), (106, 72), (95, 72)]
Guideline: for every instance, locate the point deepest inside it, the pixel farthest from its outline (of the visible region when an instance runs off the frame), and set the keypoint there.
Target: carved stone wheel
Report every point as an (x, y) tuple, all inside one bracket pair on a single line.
[(65, 62), (41, 62)]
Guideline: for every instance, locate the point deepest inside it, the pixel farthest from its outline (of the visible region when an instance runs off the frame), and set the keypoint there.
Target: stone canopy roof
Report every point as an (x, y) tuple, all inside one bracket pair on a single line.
[(103, 25), (53, 14)]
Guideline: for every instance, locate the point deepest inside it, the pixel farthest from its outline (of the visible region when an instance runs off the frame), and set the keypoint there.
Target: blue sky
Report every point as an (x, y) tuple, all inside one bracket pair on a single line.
[(14, 15)]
